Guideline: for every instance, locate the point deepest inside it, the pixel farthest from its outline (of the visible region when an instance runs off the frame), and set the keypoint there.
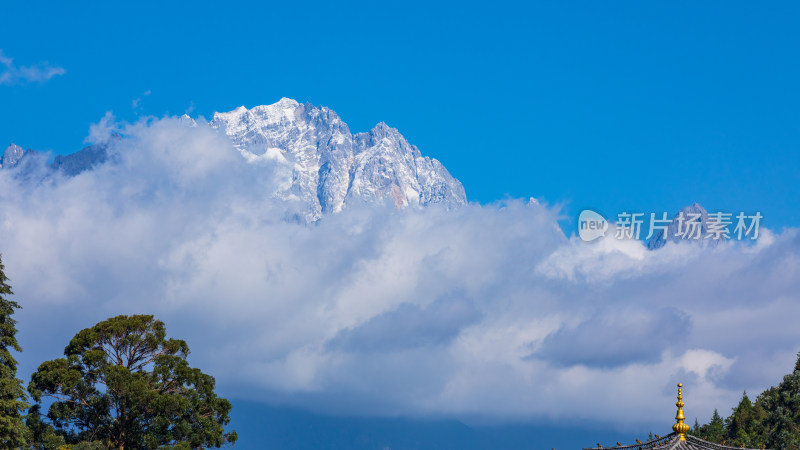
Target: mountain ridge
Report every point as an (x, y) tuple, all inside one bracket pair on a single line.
[(323, 164), (331, 166), (680, 221)]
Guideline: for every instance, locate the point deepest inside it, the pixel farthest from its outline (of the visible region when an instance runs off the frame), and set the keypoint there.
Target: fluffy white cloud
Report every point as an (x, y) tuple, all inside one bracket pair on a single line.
[(486, 311)]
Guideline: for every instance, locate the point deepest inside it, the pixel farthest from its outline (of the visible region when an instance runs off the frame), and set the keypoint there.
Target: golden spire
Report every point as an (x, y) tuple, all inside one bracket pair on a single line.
[(680, 427)]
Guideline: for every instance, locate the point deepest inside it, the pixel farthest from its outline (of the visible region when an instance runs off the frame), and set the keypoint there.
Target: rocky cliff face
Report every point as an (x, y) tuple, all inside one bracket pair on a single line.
[(11, 156), (328, 167)]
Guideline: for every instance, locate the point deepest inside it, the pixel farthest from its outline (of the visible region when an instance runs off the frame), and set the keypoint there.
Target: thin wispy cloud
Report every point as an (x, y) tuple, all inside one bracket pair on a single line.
[(136, 103), (481, 311), (11, 74)]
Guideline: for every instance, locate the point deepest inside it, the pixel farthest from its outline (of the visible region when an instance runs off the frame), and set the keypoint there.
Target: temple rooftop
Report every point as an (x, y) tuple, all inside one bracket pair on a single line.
[(677, 440)]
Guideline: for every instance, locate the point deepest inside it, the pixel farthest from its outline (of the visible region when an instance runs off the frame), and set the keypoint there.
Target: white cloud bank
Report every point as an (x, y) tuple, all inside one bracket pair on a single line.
[(477, 312), (11, 73)]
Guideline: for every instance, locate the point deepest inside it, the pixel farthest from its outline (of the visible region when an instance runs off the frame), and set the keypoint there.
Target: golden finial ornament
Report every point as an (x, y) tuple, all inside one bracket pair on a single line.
[(680, 427)]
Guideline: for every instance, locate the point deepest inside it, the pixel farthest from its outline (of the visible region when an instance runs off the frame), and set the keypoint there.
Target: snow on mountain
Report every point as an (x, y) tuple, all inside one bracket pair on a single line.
[(328, 167), (12, 155), (320, 163), (679, 229)]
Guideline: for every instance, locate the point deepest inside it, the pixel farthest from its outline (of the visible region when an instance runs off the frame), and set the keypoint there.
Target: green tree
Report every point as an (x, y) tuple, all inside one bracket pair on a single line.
[(713, 431), (772, 421), (42, 435), (744, 427), (124, 384), (782, 407), (13, 432)]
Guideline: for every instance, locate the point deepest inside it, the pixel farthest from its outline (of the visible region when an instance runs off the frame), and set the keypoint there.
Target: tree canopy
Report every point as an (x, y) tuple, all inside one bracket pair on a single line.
[(13, 431), (121, 384), (772, 421)]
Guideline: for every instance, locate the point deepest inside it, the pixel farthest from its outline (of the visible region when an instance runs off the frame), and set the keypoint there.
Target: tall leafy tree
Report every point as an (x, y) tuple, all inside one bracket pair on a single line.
[(42, 435), (123, 384), (13, 432)]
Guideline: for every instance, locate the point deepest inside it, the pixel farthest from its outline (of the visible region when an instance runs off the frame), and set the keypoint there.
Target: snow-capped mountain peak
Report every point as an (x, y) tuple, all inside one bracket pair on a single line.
[(328, 167), (12, 155), (320, 163)]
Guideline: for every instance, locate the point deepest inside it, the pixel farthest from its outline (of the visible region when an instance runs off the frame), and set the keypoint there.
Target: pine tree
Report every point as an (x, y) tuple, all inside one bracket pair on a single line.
[(13, 431), (772, 421), (736, 424), (782, 407), (715, 430)]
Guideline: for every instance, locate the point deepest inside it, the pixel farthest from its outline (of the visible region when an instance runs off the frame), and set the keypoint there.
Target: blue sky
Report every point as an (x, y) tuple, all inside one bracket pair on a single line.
[(614, 106)]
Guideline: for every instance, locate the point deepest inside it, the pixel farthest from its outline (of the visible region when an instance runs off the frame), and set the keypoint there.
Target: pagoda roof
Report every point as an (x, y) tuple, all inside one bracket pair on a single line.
[(673, 441), (679, 440)]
